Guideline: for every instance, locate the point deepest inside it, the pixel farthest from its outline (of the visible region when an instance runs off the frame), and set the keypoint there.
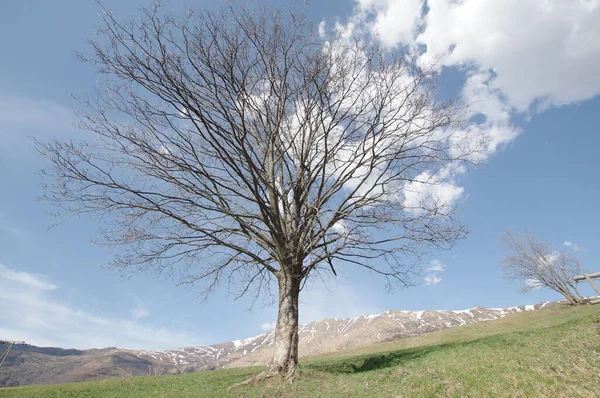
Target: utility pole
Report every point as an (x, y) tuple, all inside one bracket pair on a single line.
[(10, 345)]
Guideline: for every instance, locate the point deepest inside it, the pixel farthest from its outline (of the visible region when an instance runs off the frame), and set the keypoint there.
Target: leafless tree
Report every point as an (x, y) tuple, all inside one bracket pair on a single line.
[(158, 369), (539, 265), (246, 145)]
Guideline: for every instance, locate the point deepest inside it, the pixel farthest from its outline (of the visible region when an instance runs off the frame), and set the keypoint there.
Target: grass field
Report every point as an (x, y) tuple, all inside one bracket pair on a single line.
[(554, 352)]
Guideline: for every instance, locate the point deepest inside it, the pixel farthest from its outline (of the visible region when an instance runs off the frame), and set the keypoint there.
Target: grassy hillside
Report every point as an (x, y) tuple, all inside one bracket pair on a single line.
[(550, 352)]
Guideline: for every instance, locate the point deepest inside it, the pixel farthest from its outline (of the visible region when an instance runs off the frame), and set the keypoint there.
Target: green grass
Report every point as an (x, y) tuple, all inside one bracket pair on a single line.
[(546, 353)]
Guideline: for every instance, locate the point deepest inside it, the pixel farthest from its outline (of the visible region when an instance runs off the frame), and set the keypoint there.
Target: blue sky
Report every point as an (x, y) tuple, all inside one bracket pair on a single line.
[(530, 67)]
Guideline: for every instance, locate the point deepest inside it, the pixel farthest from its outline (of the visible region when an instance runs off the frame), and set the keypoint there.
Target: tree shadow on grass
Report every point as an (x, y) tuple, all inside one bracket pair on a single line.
[(369, 362)]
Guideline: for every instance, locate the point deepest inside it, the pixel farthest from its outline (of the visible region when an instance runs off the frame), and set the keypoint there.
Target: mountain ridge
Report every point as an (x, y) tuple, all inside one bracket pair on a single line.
[(41, 365)]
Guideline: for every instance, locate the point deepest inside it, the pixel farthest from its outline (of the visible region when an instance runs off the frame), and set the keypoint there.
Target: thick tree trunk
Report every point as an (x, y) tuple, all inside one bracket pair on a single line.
[(564, 290), (285, 357)]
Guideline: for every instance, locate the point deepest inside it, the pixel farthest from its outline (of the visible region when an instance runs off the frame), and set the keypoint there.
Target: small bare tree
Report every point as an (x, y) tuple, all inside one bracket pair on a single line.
[(246, 145), (157, 369), (539, 265)]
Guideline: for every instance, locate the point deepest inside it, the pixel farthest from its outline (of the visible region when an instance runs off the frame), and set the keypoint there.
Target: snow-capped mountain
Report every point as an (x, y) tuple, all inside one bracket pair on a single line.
[(32, 365)]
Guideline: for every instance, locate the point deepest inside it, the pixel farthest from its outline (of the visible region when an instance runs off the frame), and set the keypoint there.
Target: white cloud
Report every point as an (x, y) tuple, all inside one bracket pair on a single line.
[(436, 266), (539, 50), (25, 279), (534, 284), (340, 227), (429, 192), (519, 56), (393, 21), (572, 246), (549, 259), (30, 311), (432, 279), (267, 327), (496, 130)]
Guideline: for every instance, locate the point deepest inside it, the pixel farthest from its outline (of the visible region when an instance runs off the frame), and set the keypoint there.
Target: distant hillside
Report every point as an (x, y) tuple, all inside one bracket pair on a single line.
[(37, 365)]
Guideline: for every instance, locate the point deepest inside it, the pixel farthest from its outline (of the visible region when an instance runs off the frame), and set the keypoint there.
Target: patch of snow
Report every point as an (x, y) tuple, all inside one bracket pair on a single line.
[(369, 318), (462, 311)]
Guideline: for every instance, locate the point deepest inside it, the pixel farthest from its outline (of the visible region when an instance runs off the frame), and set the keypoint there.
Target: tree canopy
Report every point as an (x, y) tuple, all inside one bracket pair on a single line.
[(536, 263), (250, 146)]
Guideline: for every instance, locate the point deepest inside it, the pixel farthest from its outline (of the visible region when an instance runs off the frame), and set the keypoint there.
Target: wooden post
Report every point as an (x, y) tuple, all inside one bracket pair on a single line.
[(591, 282), (589, 277), (582, 277)]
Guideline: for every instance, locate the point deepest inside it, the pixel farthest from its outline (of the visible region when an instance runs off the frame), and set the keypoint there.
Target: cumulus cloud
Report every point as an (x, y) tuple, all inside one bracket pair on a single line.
[(517, 56), (428, 191), (544, 51), (540, 53), (496, 129), (393, 21), (32, 312), (432, 278), (436, 266)]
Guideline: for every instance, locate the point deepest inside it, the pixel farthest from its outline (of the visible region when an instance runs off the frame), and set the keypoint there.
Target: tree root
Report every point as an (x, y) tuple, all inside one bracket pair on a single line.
[(265, 374), (289, 375)]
